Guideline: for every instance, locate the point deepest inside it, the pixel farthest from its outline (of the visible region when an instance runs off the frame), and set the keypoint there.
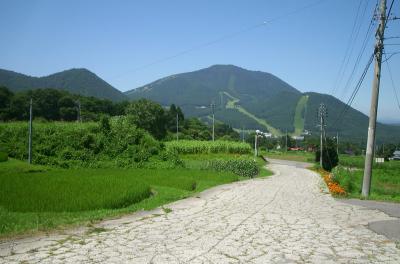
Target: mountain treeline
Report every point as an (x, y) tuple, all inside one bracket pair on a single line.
[(58, 105), (54, 105)]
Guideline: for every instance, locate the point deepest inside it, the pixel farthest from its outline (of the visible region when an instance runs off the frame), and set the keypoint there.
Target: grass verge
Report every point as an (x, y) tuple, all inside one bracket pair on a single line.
[(301, 156)]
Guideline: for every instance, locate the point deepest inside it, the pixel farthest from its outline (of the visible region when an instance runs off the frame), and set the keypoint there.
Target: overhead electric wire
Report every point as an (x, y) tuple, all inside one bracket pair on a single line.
[(354, 93), (388, 13), (350, 46), (393, 85), (228, 36), (361, 53)]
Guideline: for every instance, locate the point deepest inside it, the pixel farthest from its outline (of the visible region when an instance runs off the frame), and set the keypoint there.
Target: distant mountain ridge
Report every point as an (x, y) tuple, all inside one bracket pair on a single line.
[(252, 100), (78, 81)]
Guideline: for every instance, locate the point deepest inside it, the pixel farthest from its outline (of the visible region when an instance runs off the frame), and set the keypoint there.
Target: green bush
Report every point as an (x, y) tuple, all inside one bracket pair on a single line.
[(69, 144), (329, 158), (3, 156), (241, 167)]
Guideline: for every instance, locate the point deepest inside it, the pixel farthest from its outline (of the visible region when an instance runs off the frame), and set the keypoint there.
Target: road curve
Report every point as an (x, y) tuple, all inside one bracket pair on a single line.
[(285, 218)]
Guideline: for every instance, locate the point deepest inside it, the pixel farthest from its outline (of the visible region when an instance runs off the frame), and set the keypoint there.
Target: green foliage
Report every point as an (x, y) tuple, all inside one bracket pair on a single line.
[(116, 142), (66, 192), (198, 147), (52, 104), (385, 181), (149, 116), (242, 166), (3, 156), (330, 158)]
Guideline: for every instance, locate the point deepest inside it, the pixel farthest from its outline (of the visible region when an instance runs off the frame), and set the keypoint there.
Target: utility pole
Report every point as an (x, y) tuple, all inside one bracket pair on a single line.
[(337, 143), (366, 187), (177, 127), (321, 113), (255, 145), (242, 134), (78, 103), (286, 140), (213, 120), (30, 134)]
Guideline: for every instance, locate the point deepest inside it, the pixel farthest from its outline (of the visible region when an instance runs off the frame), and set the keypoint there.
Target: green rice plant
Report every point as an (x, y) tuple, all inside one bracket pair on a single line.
[(68, 191), (36, 197), (202, 147)]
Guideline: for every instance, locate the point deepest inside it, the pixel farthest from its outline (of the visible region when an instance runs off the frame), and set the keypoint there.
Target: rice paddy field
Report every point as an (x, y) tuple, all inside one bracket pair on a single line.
[(37, 198)]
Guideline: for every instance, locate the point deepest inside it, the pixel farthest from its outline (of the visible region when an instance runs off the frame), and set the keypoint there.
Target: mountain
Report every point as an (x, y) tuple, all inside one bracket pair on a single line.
[(257, 100), (77, 81)]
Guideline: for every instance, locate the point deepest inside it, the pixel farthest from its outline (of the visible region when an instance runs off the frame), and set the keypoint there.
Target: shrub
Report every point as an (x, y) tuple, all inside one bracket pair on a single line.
[(329, 158), (3, 156), (241, 167), (68, 144)]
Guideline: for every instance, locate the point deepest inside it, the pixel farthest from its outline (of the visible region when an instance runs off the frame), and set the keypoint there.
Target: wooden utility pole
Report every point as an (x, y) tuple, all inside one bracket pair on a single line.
[(30, 134), (374, 101), (78, 116), (255, 145), (337, 143), (213, 120), (286, 140), (177, 126), (321, 113)]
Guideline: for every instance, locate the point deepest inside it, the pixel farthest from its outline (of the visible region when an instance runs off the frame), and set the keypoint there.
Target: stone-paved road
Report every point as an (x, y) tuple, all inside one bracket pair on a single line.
[(282, 219)]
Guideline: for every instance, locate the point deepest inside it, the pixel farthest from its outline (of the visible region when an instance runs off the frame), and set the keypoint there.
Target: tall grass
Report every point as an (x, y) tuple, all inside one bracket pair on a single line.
[(385, 181), (202, 147)]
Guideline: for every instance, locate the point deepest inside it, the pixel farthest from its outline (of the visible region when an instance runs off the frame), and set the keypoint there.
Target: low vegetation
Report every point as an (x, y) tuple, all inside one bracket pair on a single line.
[(114, 142), (301, 156), (204, 147), (40, 197), (385, 180)]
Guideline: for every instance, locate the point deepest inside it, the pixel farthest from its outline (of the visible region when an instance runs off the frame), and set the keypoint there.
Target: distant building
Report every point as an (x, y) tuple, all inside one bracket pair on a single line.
[(396, 155)]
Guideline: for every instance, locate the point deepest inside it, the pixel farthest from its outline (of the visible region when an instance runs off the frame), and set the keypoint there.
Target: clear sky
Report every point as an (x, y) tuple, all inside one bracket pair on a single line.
[(117, 39)]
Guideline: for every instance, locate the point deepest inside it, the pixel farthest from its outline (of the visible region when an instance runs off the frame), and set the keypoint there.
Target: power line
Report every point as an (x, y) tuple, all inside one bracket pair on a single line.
[(393, 86), (228, 36), (361, 53), (350, 46), (354, 93)]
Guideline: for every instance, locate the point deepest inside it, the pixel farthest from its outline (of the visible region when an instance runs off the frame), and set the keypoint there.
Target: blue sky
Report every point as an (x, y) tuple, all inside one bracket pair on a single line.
[(117, 39)]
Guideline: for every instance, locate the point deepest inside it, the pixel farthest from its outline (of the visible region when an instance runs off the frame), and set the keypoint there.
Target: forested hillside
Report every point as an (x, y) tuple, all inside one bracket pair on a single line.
[(77, 81), (252, 100)]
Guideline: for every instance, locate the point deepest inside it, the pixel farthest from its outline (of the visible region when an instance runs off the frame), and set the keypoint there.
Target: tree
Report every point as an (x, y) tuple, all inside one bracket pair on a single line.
[(226, 132), (148, 115), (5, 101), (330, 157), (67, 108), (171, 117)]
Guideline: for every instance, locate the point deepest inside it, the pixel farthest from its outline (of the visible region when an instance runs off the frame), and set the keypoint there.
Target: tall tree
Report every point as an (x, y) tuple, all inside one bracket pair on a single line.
[(149, 116)]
